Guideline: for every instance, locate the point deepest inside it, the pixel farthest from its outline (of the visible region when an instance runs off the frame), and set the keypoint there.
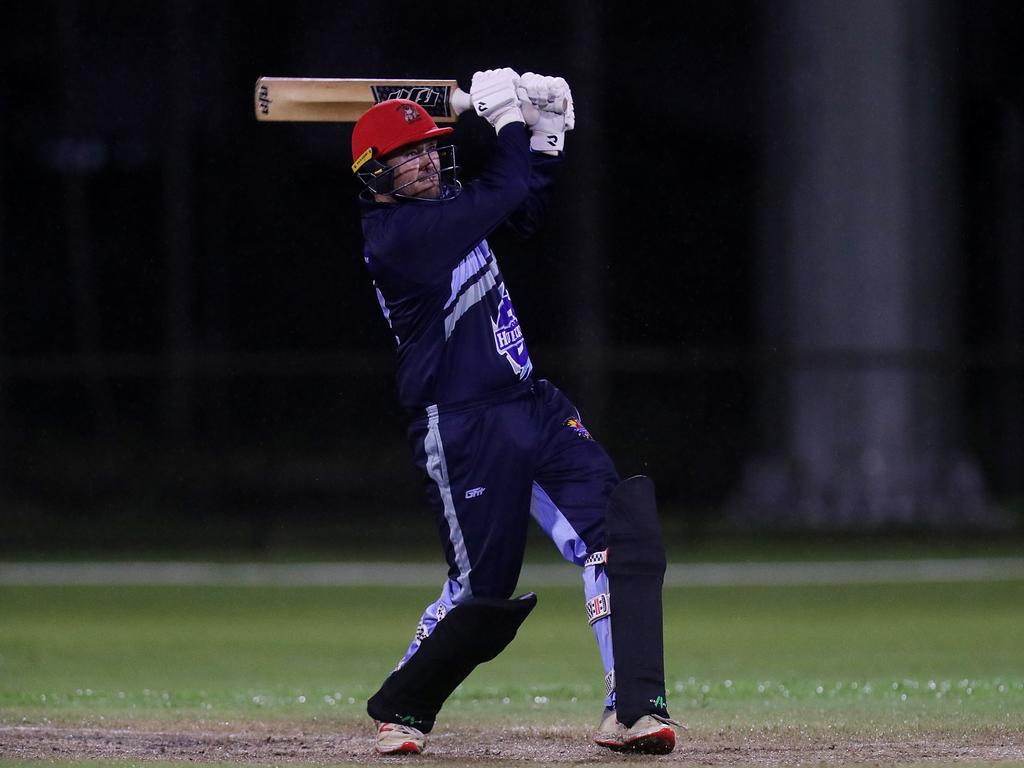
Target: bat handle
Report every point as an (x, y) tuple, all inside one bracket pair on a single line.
[(461, 101)]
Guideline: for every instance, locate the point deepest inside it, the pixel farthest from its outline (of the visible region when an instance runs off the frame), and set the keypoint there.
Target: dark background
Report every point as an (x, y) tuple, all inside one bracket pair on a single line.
[(191, 352)]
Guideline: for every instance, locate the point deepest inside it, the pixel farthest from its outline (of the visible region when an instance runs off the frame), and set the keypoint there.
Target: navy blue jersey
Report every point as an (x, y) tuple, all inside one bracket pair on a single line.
[(439, 285)]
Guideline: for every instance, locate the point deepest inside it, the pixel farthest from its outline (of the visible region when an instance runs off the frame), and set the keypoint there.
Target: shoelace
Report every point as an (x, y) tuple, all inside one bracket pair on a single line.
[(405, 730), (669, 721)]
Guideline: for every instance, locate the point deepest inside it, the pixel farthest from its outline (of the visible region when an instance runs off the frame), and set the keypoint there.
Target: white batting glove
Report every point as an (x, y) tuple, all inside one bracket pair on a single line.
[(530, 112), (548, 94), (494, 96), (550, 113)]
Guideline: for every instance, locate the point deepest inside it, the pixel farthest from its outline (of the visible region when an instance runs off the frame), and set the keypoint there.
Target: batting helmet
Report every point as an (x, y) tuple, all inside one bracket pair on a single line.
[(391, 125), (388, 127)]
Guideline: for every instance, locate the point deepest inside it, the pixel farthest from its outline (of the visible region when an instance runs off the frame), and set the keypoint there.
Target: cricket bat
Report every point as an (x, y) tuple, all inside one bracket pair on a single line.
[(344, 100)]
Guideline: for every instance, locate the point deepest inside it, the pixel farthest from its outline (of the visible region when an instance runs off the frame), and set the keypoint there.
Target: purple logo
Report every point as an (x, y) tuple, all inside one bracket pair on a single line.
[(508, 336)]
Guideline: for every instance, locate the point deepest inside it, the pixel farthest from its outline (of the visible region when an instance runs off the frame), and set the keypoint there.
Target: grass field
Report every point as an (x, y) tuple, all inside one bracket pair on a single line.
[(939, 664)]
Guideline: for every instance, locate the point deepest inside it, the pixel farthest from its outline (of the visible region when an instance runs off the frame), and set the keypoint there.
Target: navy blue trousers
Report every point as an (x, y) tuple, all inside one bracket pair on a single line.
[(488, 468)]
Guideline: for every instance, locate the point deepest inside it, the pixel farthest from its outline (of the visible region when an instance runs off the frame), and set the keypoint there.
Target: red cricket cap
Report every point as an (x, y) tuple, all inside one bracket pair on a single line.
[(391, 125)]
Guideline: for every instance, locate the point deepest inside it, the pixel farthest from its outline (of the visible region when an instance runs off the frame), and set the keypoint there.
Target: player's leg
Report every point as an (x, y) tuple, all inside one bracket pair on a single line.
[(573, 481), (576, 546), (479, 491), (635, 567), (475, 631), (580, 502)]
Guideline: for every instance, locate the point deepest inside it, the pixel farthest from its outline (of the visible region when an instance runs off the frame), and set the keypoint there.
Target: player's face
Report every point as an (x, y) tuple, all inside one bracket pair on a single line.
[(417, 171)]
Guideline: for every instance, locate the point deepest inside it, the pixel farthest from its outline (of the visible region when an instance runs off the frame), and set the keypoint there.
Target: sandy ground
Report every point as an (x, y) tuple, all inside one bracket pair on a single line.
[(269, 743)]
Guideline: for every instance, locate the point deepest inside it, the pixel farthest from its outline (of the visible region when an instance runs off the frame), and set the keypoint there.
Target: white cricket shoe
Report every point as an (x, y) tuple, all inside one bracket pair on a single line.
[(398, 739), (609, 731), (650, 735)]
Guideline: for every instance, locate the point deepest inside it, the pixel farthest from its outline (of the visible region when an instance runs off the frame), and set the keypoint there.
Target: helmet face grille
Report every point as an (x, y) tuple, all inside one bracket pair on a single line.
[(379, 178)]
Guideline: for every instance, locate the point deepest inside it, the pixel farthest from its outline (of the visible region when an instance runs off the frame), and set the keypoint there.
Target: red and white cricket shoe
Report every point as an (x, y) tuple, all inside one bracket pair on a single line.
[(650, 735), (398, 739)]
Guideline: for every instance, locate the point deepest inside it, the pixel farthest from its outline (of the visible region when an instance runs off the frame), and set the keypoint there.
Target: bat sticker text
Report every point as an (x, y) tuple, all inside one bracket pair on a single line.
[(265, 101), (433, 98)]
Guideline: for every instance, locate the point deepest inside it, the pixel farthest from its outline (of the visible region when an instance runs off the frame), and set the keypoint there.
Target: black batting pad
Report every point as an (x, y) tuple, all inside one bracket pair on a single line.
[(636, 573), (472, 633)]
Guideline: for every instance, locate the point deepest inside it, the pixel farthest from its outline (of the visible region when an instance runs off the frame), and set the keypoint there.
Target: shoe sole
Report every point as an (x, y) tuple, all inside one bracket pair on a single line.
[(657, 743), (405, 748)]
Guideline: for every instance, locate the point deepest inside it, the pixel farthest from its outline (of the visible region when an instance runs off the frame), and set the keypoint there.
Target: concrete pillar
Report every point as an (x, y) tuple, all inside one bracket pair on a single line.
[(1009, 175), (591, 387), (6, 381), (858, 274)]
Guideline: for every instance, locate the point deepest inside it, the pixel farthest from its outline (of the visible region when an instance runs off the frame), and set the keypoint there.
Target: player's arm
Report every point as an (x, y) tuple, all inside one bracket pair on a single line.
[(549, 114), (424, 241), (544, 170)]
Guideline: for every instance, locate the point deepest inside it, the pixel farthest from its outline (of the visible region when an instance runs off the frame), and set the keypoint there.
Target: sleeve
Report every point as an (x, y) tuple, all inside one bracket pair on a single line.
[(423, 241), (544, 170)]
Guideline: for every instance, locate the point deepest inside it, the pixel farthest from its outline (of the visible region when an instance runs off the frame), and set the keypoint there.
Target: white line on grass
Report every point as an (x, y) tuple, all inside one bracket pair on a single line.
[(356, 574)]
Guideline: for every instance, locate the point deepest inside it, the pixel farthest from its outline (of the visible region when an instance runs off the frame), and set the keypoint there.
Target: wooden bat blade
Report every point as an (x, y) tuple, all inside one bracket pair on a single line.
[(344, 100)]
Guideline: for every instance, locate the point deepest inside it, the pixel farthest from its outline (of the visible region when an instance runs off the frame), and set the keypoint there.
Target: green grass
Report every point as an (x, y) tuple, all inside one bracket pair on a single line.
[(898, 659), (403, 539)]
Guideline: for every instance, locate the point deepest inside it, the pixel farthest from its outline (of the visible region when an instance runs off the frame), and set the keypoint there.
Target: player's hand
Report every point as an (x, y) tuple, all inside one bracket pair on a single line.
[(494, 96), (550, 113), (548, 94)]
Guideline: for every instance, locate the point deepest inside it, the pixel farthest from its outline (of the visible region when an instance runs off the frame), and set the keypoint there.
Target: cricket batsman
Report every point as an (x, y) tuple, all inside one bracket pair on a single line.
[(495, 445)]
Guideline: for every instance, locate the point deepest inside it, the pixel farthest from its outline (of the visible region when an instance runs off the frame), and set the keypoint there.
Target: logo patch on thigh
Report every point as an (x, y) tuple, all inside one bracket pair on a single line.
[(577, 426)]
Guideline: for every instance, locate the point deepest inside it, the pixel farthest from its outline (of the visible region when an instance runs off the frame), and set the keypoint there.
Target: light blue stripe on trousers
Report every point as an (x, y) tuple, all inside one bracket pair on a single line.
[(457, 590), (571, 546)]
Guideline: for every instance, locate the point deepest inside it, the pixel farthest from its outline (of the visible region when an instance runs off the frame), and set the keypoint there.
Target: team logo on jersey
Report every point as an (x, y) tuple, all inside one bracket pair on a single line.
[(577, 426), (442, 611), (508, 336)]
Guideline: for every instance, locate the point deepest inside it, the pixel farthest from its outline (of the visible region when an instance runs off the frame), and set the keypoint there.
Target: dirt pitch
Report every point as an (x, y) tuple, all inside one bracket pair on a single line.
[(281, 743)]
